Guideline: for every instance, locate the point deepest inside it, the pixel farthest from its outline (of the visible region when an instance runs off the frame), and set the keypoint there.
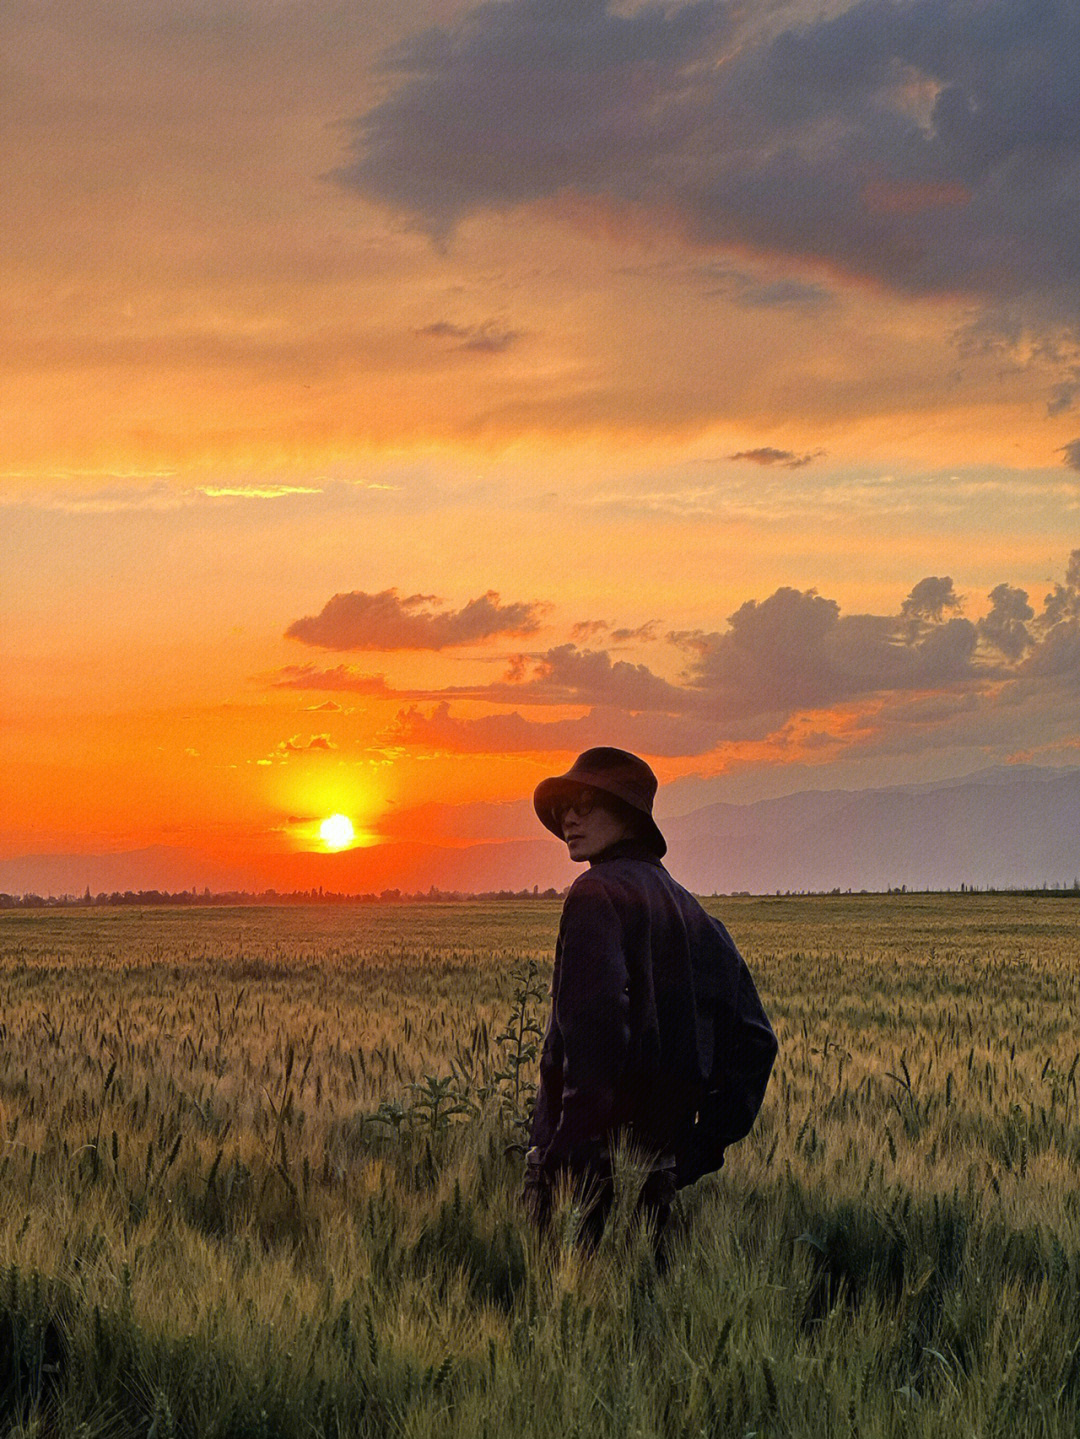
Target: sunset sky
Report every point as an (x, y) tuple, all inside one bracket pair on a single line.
[(396, 400)]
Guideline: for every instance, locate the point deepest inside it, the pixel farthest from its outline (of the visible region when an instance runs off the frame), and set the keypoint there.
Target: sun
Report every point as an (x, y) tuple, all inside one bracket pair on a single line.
[(337, 832)]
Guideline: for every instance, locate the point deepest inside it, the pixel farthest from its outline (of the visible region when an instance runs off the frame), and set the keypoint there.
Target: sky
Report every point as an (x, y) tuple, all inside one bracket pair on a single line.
[(397, 400)]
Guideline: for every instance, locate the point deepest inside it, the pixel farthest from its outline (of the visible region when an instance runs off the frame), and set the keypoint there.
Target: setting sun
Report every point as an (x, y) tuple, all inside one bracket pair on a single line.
[(337, 832)]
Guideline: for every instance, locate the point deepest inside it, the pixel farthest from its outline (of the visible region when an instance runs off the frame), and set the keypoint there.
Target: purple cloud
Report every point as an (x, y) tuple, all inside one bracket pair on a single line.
[(386, 621)]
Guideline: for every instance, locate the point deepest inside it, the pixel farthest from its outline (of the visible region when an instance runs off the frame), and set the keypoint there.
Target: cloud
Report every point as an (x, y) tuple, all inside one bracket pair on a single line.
[(569, 675), (295, 745), (930, 599), (593, 629), (1071, 451), (768, 456), (589, 629), (795, 650), (256, 492), (784, 294), (784, 669), (1005, 627), (385, 621), (512, 733), (932, 146), (647, 631), (340, 678), (487, 338), (1056, 654), (564, 675), (330, 706)]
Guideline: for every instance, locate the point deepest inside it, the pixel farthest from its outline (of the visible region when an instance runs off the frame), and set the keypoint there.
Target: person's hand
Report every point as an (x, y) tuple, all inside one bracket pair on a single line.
[(536, 1190), (590, 1158)]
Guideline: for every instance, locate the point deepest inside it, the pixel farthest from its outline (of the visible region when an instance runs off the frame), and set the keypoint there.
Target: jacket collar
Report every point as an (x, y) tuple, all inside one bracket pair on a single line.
[(627, 849)]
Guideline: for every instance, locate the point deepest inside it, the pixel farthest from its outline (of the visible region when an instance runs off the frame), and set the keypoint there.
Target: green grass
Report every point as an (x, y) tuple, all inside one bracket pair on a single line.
[(206, 1229)]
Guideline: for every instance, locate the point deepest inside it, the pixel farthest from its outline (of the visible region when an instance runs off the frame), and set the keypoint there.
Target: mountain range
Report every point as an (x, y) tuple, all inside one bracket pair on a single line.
[(1010, 827)]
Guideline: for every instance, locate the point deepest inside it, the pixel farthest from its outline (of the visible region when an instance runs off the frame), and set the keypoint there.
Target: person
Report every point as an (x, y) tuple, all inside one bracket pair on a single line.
[(656, 1030)]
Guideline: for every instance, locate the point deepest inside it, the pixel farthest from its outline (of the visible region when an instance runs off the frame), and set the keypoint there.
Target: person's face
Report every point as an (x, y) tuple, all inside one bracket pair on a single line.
[(588, 827)]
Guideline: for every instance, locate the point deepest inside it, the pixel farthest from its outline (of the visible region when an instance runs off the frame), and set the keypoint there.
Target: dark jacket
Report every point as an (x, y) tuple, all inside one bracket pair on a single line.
[(655, 1024)]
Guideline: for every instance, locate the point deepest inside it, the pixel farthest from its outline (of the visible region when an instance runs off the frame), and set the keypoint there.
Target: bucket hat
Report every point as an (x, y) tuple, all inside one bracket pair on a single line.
[(614, 771)]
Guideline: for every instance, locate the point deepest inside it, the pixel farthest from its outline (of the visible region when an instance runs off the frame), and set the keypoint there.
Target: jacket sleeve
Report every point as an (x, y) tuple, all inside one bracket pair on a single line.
[(746, 1062), (746, 1049), (549, 1093), (591, 1012)]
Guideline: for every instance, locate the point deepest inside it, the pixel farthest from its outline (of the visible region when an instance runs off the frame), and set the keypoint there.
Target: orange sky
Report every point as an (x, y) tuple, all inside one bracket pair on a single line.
[(549, 367)]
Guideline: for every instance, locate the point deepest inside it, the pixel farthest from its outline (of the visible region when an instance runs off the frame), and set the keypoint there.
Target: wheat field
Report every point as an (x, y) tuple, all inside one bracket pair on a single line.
[(260, 1174)]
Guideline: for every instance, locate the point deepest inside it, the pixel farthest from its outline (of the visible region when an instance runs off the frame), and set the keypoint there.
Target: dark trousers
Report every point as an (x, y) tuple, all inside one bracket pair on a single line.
[(653, 1204)]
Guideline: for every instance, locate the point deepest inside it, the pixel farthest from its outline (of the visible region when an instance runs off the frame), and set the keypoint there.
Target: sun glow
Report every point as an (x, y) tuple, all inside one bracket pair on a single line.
[(337, 832)]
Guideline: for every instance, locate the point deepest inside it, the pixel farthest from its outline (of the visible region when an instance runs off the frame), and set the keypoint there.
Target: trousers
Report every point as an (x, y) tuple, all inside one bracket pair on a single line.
[(654, 1203)]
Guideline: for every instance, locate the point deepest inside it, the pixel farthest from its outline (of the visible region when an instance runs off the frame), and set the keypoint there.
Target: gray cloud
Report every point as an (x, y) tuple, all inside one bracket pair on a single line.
[(512, 733), (778, 658), (930, 599), (785, 294), (340, 679), (487, 338), (589, 629), (647, 631), (1071, 451), (593, 629), (768, 456), (563, 675), (1005, 627), (1057, 653), (386, 621), (931, 145), (795, 650)]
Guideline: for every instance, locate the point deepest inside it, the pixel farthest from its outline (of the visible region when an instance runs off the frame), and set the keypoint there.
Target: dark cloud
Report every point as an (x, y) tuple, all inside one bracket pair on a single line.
[(487, 338), (1057, 652), (569, 675), (385, 621), (647, 631), (766, 455), (785, 294), (930, 145), (589, 629), (1071, 451), (1061, 400), (1005, 627), (930, 599), (563, 675), (592, 629), (777, 661), (795, 650)]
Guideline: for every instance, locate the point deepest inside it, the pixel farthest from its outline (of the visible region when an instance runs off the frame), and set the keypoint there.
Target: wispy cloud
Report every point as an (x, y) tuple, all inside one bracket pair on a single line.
[(487, 338), (256, 492), (156, 496)]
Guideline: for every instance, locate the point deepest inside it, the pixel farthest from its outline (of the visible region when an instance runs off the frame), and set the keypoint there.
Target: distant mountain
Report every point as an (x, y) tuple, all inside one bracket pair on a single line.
[(155, 867), (1001, 827), (1005, 827)]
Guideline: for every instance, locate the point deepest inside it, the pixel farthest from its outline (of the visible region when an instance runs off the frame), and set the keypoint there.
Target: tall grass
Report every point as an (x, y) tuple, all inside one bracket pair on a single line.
[(259, 1176)]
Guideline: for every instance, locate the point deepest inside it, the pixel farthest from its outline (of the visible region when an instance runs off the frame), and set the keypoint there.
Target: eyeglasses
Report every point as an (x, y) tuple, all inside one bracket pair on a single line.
[(582, 805)]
